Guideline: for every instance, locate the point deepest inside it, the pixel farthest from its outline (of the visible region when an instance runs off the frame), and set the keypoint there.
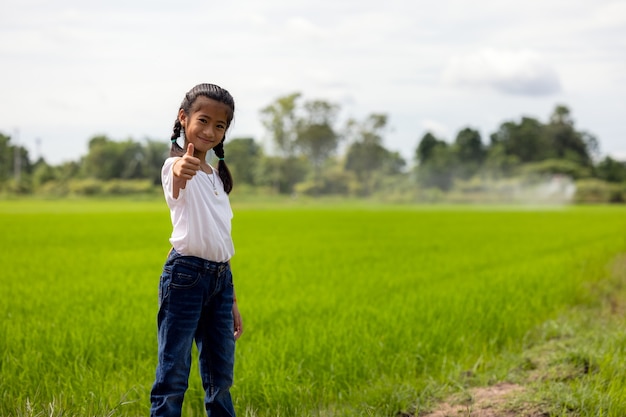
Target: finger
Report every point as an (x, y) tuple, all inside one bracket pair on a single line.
[(190, 161), (189, 173), (190, 149), (238, 327)]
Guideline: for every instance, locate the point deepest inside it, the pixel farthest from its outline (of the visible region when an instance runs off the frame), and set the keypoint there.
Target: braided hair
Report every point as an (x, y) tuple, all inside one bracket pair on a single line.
[(218, 94)]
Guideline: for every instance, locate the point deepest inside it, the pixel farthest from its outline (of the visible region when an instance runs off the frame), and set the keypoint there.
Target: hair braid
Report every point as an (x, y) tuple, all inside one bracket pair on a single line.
[(222, 168), (176, 149)]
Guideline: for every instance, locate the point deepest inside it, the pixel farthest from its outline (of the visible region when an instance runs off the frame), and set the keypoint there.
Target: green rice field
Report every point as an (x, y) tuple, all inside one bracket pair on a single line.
[(349, 309)]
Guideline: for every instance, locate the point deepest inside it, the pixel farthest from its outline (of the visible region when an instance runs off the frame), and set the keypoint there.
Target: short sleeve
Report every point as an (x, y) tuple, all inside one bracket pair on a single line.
[(167, 179)]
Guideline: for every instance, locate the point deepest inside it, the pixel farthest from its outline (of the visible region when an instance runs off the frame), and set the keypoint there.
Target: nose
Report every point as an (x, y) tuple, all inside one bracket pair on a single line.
[(209, 132)]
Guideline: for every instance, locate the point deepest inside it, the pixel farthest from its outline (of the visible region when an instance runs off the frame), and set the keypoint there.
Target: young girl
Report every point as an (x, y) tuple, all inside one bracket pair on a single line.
[(196, 295)]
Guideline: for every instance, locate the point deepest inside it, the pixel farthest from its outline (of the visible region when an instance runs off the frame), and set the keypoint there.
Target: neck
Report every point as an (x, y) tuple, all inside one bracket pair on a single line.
[(200, 155), (206, 167)]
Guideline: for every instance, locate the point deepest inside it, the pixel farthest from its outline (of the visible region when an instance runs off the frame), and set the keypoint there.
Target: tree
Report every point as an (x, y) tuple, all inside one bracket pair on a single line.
[(317, 138), (426, 147), (6, 158), (470, 152), (14, 163), (366, 154), (498, 163), (611, 170), (153, 154), (68, 170), (243, 156), (435, 161), (526, 141), (279, 119), (565, 141), (108, 160), (282, 174), (42, 173), (393, 163)]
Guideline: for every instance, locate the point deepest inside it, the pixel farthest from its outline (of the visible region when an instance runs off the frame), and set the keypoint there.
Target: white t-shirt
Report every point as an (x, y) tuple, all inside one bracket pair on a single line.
[(201, 220)]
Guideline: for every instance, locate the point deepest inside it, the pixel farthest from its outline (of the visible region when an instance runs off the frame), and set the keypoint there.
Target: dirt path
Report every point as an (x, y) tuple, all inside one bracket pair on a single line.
[(483, 402)]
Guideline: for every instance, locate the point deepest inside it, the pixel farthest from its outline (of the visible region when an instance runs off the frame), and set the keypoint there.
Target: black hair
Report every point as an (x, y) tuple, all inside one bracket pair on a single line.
[(218, 94)]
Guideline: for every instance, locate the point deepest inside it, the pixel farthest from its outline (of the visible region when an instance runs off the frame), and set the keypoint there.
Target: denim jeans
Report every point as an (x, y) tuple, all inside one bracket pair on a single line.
[(195, 303)]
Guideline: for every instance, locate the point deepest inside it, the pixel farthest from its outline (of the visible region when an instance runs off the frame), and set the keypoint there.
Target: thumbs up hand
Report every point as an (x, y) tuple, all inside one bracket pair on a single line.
[(190, 149), (186, 167)]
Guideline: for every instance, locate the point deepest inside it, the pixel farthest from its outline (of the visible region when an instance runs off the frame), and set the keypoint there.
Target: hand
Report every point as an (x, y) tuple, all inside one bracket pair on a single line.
[(238, 328), (187, 166)]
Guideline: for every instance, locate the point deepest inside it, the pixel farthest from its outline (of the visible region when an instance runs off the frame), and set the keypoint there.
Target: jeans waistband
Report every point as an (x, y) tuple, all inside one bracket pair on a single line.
[(197, 263)]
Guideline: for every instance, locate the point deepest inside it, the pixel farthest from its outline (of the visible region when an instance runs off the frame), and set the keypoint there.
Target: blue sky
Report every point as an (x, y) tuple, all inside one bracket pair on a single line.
[(72, 69)]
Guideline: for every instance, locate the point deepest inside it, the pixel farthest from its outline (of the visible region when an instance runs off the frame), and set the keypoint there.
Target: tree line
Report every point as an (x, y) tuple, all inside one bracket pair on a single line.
[(312, 152)]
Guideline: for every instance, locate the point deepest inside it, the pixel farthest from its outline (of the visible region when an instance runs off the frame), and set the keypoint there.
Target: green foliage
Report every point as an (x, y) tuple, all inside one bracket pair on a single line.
[(436, 159), (526, 140), (42, 173), (280, 120), (93, 187), (366, 154), (611, 170), (426, 147), (108, 159), (6, 158), (243, 157), (130, 188), (15, 167), (532, 141), (592, 191), (282, 174), (470, 153), (499, 164), (316, 136), (555, 167), (86, 187), (333, 181)]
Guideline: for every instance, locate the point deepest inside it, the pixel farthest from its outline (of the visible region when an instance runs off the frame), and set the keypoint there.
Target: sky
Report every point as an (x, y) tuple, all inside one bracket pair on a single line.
[(73, 69)]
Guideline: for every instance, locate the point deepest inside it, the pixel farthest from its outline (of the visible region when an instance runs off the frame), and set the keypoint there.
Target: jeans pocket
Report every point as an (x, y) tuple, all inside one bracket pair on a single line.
[(184, 277), (164, 286)]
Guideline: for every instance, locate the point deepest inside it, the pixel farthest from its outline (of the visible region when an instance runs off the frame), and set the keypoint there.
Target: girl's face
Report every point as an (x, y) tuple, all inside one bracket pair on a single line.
[(206, 124)]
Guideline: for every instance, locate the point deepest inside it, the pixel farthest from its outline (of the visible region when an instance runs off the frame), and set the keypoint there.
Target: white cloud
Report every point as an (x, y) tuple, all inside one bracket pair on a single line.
[(301, 27), (522, 72), (610, 15)]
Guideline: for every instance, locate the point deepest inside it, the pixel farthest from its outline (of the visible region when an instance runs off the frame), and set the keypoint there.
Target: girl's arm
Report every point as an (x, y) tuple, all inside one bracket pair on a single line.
[(236, 315), (184, 169), (237, 318)]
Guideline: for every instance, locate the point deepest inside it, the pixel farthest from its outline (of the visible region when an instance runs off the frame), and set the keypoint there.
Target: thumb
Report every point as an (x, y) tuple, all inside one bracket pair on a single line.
[(190, 149)]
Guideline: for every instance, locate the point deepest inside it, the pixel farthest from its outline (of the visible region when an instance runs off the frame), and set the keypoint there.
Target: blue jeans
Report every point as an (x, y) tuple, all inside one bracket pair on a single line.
[(195, 303)]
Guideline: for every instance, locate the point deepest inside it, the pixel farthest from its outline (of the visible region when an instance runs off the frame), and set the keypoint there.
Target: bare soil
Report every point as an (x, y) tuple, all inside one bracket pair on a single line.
[(492, 401)]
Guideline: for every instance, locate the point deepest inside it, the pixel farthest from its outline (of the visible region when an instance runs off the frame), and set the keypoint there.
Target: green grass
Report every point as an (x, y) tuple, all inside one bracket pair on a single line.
[(349, 309)]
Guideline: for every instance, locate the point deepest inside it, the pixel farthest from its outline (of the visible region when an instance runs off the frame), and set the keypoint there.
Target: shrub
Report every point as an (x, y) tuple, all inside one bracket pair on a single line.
[(86, 187), (129, 187), (598, 191)]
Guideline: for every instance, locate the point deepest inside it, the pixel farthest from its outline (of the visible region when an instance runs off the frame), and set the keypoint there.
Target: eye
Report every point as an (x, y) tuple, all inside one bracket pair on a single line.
[(202, 120), (221, 126)]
